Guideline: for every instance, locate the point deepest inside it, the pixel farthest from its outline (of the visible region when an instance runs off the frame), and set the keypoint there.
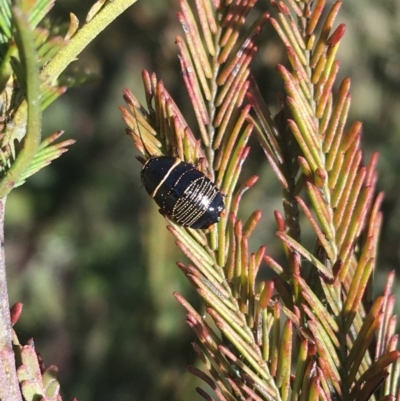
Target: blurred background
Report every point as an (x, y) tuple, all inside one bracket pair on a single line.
[(87, 252)]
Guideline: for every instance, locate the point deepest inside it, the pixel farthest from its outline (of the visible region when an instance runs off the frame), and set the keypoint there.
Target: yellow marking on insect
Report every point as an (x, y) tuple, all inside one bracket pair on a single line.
[(176, 163)]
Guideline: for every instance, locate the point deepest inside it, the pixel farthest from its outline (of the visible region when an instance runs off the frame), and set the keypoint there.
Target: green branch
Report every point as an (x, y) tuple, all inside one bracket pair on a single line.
[(83, 37), (26, 48), (27, 118)]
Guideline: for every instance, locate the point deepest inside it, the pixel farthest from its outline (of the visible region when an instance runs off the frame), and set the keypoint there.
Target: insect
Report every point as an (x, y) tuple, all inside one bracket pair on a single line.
[(182, 192)]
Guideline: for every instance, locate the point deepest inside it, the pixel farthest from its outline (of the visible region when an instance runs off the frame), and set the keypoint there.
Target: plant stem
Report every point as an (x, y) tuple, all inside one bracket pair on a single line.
[(9, 387), (83, 37)]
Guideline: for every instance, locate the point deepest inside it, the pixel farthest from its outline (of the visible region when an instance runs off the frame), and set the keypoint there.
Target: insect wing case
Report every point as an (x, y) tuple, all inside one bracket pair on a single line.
[(182, 192), (160, 175)]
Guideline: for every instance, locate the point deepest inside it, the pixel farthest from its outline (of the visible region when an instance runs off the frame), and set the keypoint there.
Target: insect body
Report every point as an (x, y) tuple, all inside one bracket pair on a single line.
[(182, 192)]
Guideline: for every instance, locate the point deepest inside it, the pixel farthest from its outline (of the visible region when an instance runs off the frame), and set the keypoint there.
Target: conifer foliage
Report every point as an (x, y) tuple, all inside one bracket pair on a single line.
[(313, 332)]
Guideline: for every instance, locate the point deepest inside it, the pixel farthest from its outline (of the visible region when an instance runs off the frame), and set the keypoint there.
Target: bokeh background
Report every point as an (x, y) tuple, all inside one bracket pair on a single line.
[(87, 252)]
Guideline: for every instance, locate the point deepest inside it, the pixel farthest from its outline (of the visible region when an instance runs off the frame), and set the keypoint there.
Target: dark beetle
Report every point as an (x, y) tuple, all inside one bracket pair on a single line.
[(183, 193)]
